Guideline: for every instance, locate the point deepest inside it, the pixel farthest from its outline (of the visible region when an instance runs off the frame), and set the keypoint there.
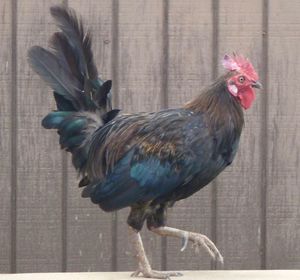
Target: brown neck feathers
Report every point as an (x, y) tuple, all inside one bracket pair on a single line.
[(218, 104)]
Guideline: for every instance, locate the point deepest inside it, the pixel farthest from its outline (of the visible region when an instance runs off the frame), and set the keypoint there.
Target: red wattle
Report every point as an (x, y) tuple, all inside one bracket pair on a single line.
[(246, 97)]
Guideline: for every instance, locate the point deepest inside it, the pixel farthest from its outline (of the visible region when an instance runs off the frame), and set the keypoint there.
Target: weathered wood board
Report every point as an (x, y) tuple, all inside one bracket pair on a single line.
[(39, 177), (239, 186), (139, 51), (189, 70), (89, 229), (5, 134), (283, 146), (158, 54)]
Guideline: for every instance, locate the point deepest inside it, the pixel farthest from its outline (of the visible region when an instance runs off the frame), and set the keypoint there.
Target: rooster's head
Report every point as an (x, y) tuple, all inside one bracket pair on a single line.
[(243, 79)]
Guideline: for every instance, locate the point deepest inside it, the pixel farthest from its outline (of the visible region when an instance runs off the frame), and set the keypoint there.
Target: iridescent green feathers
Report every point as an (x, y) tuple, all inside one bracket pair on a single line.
[(82, 98), (146, 159)]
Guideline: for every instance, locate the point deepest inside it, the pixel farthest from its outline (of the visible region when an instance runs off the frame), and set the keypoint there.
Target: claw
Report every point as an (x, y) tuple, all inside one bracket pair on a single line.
[(203, 241), (220, 259), (185, 241), (198, 240), (136, 273), (156, 274)]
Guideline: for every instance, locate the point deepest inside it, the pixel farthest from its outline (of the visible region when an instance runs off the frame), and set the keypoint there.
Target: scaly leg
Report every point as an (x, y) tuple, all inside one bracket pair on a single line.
[(143, 263), (197, 238)]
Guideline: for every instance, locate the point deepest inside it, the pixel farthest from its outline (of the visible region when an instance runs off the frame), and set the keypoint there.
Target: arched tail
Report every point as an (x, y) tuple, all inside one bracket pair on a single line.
[(83, 100)]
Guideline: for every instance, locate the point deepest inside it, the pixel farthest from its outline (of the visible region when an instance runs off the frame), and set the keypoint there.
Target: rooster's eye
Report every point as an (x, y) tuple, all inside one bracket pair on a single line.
[(241, 79)]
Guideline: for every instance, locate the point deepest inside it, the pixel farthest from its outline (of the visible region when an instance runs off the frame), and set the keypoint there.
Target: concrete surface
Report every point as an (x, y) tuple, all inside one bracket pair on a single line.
[(188, 275)]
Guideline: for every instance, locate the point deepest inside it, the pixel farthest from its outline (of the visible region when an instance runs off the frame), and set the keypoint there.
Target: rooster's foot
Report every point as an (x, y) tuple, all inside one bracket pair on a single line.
[(198, 240), (144, 266), (155, 274)]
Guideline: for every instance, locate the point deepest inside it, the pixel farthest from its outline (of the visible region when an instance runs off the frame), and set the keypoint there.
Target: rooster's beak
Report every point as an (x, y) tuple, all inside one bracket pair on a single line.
[(257, 85)]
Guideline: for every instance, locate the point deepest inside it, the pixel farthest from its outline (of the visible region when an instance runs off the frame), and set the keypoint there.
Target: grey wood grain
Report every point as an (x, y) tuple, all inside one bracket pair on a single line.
[(89, 229), (39, 159), (190, 69), (5, 134), (239, 186), (137, 63), (139, 78), (283, 168)]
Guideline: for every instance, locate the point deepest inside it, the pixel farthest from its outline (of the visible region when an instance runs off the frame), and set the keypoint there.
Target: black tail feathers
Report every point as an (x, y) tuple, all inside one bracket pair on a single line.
[(83, 100), (68, 66)]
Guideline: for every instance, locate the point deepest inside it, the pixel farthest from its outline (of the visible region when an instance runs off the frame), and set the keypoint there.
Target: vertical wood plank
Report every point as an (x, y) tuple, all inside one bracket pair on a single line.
[(239, 186), (140, 46), (190, 69), (283, 192), (89, 229), (5, 133), (39, 159)]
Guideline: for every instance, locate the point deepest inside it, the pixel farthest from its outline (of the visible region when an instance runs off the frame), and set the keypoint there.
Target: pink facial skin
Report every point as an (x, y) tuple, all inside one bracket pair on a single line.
[(242, 83)]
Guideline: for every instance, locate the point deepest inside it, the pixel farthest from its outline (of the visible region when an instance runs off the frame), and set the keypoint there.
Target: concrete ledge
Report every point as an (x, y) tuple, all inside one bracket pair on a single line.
[(188, 275)]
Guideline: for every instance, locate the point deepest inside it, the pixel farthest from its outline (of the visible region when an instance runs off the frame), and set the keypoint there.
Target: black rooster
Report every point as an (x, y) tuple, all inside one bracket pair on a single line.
[(146, 161)]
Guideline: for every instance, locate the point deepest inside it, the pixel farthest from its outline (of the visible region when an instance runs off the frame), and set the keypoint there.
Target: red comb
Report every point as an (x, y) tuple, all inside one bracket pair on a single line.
[(241, 64)]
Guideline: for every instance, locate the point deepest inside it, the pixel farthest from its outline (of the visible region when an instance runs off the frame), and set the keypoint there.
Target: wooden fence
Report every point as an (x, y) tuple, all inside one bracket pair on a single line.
[(158, 53)]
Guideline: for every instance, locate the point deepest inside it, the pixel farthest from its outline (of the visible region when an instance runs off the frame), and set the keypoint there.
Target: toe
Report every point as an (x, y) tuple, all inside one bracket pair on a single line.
[(174, 273), (157, 274), (136, 273)]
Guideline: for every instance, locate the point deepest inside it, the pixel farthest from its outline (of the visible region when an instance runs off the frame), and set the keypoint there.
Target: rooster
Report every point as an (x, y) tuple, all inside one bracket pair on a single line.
[(145, 161)]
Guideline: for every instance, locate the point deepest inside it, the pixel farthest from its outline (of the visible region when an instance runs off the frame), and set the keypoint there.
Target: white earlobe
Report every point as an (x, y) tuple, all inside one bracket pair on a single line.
[(233, 89)]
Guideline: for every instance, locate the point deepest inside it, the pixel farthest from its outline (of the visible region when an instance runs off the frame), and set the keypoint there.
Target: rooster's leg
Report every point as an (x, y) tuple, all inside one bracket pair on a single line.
[(199, 240), (143, 263)]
